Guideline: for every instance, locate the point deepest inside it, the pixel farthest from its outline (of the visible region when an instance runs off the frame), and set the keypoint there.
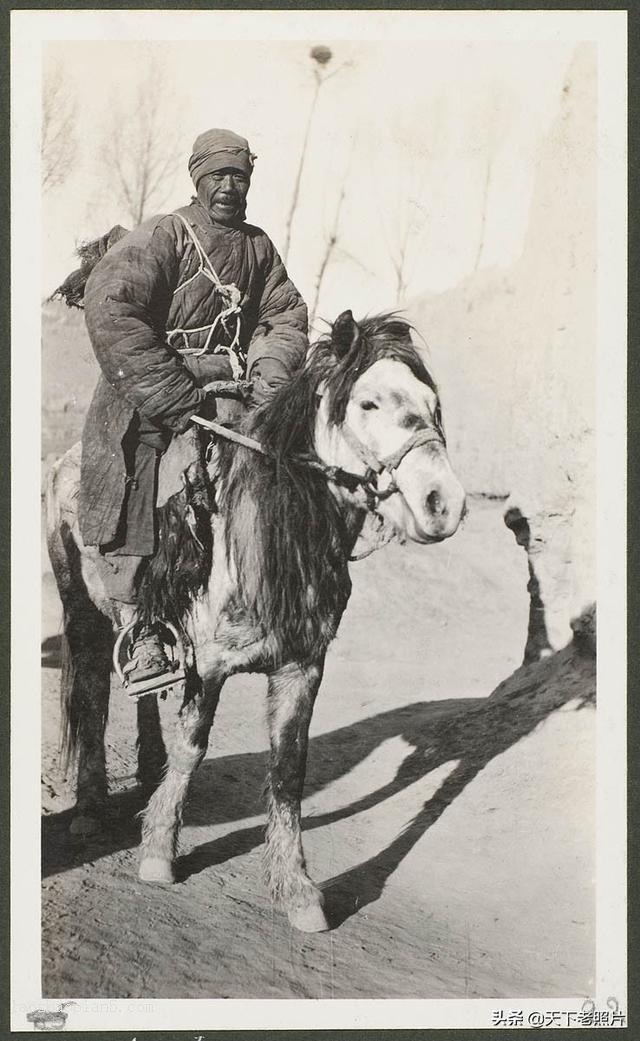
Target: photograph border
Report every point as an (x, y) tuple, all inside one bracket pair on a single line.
[(633, 570)]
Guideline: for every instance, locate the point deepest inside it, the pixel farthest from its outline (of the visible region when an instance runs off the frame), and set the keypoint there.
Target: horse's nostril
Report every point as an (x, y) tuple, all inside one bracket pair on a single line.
[(435, 503)]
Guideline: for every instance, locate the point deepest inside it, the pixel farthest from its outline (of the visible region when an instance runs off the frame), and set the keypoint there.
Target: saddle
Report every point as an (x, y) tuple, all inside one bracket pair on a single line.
[(178, 571), (185, 502)]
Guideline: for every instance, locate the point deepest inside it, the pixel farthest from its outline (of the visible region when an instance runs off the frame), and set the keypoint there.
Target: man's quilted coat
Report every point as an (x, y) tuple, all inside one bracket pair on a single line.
[(132, 299)]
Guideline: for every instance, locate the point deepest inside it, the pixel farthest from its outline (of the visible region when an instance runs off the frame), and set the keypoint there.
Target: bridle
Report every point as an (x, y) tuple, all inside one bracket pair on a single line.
[(387, 464), (375, 467)]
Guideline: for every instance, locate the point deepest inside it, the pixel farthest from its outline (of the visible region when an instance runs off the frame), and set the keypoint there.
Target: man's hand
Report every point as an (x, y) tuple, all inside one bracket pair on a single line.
[(240, 390), (268, 375)]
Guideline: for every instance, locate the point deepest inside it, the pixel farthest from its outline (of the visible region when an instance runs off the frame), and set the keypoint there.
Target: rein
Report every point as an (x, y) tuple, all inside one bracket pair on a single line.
[(332, 473), (367, 481)]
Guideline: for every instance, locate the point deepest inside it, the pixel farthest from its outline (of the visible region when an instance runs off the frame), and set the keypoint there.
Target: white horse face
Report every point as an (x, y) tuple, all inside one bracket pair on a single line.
[(388, 404)]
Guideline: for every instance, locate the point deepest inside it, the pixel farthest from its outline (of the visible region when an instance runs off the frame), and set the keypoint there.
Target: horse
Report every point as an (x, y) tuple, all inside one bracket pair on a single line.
[(357, 431)]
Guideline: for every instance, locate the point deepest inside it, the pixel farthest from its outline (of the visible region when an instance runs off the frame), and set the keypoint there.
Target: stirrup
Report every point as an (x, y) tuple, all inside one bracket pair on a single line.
[(164, 680)]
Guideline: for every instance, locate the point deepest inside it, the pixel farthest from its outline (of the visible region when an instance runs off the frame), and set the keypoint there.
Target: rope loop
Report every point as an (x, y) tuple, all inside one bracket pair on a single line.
[(229, 294)]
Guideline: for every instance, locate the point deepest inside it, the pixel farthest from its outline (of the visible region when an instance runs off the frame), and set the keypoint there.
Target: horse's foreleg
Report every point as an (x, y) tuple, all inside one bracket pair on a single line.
[(163, 816), (292, 692), (152, 754)]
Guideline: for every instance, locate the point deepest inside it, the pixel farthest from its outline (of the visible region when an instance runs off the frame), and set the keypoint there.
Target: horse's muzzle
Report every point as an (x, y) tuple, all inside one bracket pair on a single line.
[(440, 512)]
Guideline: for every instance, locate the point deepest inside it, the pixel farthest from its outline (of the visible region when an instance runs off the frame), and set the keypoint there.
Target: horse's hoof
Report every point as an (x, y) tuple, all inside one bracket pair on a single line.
[(309, 918), (156, 869), (83, 826)]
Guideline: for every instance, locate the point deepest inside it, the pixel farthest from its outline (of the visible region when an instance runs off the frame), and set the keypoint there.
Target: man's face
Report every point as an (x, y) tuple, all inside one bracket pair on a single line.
[(223, 193)]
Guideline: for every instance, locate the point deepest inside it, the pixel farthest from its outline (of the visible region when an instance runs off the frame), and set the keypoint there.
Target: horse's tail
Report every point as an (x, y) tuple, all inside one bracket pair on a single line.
[(51, 508), (86, 646), (69, 709), (87, 637), (58, 548)]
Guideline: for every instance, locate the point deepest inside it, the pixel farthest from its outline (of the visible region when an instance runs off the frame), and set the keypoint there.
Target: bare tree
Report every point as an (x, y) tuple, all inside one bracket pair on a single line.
[(321, 56), (330, 245), (402, 244), (404, 221), (494, 114), (142, 153), (483, 211), (59, 143), (404, 188)]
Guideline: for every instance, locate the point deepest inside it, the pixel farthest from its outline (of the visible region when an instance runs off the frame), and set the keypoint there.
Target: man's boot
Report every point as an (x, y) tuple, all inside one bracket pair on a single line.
[(147, 656)]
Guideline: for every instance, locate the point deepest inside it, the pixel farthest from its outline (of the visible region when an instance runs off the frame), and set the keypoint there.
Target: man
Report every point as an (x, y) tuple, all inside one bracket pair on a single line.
[(186, 298)]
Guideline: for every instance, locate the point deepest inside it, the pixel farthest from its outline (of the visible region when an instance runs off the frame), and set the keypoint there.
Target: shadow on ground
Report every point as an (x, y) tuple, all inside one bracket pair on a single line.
[(51, 652), (470, 732)]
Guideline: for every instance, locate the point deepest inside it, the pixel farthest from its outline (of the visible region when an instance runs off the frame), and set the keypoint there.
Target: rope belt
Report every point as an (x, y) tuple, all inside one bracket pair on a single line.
[(230, 295)]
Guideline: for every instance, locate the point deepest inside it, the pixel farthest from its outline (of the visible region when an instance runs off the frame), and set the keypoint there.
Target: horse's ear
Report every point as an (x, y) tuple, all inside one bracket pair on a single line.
[(344, 333)]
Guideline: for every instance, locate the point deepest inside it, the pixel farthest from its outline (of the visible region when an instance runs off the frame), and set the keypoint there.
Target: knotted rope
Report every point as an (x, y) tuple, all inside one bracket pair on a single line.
[(230, 294)]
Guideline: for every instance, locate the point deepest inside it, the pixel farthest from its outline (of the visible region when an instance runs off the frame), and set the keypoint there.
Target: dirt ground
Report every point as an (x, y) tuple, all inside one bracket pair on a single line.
[(449, 811)]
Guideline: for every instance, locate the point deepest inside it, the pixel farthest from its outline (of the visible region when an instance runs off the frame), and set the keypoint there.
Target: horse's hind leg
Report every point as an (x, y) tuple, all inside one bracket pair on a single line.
[(85, 701), (292, 692), (163, 816)]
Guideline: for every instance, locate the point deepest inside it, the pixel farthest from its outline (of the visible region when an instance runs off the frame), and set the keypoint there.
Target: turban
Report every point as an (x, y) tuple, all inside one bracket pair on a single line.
[(219, 150)]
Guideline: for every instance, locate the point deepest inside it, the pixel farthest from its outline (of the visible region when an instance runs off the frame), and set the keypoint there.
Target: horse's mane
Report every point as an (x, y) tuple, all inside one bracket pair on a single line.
[(287, 537)]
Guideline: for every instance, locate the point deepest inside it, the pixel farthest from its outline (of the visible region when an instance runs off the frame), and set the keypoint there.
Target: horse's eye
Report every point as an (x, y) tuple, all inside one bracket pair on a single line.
[(368, 405)]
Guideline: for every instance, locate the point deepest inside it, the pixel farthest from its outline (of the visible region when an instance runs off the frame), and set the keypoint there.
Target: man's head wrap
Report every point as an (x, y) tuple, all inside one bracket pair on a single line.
[(219, 150)]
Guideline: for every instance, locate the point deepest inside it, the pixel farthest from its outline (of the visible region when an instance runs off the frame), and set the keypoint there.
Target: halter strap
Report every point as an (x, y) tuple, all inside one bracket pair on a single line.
[(389, 462), (370, 460), (420, 437)]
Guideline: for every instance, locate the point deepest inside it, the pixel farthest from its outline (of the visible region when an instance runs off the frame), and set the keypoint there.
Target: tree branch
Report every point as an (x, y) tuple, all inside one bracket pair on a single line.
[(58, 139), (329, 247), (143, 159), (483, 215)]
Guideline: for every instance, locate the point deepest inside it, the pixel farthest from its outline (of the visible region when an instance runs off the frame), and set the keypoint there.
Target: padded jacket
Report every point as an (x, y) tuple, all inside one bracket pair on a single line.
[(141, 290)]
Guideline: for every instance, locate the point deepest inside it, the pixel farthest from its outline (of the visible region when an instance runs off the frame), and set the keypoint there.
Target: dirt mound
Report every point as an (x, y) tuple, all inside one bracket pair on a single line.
[(515, 353)]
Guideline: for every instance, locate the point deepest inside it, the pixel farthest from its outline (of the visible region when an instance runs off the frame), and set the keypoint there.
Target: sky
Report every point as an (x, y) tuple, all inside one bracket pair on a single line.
[(431, 132)]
